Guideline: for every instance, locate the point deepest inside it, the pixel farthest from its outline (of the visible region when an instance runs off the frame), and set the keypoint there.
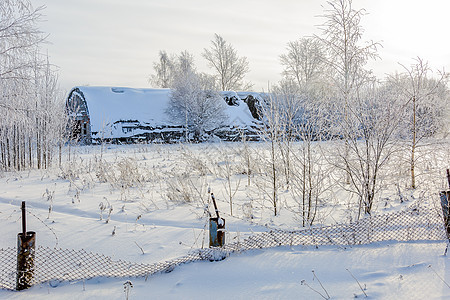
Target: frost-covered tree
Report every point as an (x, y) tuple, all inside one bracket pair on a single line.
[(171, 66), (33, 119), (372, 123), (271, 162), (426, 97), (229, 68), (345, 55), (298, 114), (19, 36), (185, 64), (288, 97), (304, 61), (51, 119), (30, 104), (194, 101), (309, 172), (164, 70)]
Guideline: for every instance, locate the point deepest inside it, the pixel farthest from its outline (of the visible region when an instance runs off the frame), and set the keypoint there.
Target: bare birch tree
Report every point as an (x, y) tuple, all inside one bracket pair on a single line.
[(271, 132), (230, 69), (309, 173), (304, 61), (288, 97), (345, 54), (426, 98), (164, 70), (373, 121)]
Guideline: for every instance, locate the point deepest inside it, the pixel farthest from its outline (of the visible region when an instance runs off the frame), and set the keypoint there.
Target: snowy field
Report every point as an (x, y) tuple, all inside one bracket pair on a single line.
[(149, 203)]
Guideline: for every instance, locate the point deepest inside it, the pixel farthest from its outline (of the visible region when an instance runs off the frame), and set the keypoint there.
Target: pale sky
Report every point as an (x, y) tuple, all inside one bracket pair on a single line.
[(115, 42)]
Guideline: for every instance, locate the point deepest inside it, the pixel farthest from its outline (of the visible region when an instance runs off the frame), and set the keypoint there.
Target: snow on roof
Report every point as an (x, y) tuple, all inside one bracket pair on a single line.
[(255, 95), (107, 105), (240, 114)]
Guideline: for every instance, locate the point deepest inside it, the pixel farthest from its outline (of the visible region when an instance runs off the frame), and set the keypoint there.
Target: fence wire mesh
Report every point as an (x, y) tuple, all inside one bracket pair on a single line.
[(53, 264)]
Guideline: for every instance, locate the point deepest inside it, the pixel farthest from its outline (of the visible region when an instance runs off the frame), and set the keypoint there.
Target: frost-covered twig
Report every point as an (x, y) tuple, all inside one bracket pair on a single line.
[(303, 282), (443, 280), (315, 276), (357, 282), (49, 196), (140, 247), (109, 214), (126, 288), (103, 207)]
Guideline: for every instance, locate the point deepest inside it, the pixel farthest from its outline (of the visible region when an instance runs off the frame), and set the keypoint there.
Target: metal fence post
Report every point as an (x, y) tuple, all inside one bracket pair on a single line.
[(25, 255), (216, 228), (216, 232)]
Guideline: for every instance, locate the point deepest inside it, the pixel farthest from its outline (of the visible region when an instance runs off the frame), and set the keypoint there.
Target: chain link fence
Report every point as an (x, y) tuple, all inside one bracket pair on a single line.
[(413, 225), (55, 265)]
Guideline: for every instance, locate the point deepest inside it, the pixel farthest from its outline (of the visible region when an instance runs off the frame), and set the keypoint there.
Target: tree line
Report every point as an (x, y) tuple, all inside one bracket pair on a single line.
[(32, 119)]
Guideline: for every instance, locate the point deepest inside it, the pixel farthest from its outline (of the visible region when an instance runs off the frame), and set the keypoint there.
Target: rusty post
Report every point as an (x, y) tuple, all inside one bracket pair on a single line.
[(216, 228), (25, 255), (24, 220)]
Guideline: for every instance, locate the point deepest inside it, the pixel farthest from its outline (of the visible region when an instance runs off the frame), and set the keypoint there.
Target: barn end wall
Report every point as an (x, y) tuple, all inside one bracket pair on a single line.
[(79, 125)]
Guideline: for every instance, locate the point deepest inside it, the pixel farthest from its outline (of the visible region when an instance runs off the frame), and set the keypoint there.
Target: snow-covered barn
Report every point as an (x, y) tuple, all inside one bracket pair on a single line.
[(120, 114)]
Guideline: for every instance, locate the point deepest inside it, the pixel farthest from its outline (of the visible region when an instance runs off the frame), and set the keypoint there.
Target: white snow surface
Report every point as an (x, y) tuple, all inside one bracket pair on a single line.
[(142, 215)]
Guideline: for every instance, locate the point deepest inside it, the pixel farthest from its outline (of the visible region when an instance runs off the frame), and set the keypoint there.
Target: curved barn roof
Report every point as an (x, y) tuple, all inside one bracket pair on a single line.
[(108, 105)]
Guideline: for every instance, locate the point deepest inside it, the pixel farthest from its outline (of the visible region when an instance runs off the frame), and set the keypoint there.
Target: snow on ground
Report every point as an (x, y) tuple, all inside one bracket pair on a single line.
[(141, 184), (384, 270)]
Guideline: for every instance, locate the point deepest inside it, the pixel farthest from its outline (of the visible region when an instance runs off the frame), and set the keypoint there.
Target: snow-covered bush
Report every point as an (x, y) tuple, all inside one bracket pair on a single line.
[(183, 188), (129, 174)]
